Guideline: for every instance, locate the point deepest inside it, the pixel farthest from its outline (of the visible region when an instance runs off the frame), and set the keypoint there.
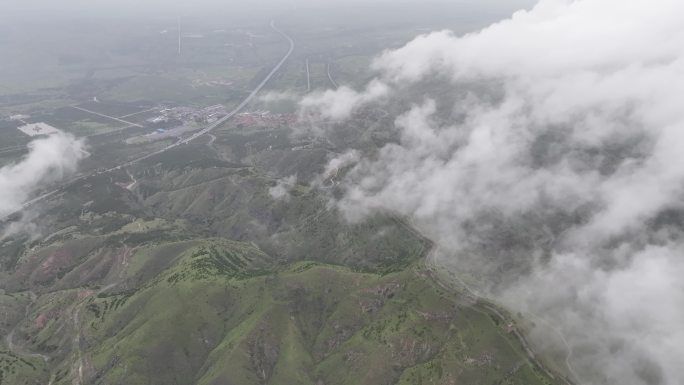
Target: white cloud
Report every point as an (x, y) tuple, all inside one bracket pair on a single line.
[(276, 96), (341, 161), (341, 103), (50, 159), (281, 191), (555, 186), (26, 225)]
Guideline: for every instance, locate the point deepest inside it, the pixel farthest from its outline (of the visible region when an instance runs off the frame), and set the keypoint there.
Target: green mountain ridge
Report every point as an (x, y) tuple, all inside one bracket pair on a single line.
[(225, 313), (197, 275)]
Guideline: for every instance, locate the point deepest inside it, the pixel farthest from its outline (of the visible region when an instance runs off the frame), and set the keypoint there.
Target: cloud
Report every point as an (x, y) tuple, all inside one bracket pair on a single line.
[(543, 159), (275, 96), (281, 191), (339, 104), (339, 162), (25, 225), (49, 160)]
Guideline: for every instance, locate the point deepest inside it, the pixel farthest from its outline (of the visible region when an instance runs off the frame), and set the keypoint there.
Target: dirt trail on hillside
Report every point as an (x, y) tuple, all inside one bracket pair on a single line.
[(9, 338), (473, 297)]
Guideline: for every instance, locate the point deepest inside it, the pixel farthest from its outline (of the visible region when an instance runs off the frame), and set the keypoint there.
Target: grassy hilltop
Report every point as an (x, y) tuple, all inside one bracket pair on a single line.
[(223, 313)]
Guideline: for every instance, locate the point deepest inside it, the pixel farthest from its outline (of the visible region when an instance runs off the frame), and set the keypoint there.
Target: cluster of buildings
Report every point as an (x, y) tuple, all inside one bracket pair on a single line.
[(211, 83), (168, 119), (211, 114), (264, 118), (190, 114)]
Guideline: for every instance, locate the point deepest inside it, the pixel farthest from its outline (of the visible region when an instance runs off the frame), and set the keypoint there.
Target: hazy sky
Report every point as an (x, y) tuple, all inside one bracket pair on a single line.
[(135, 5), (253, 7)]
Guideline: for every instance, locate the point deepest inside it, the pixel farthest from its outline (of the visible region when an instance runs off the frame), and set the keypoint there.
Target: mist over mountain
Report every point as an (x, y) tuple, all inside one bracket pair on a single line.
[(547, 167), (328, 192), (49, 159)]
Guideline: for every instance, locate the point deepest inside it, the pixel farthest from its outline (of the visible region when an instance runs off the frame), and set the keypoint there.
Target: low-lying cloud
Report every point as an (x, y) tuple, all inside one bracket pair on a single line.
[(341, 103), (49, 160), (551, 173), (281, 191)]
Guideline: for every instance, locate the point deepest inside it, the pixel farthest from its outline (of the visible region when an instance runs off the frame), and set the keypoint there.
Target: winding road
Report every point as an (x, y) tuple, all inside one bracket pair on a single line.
[(332, 81), (308, 76), (9, 338), (493, 307), (473, 295)]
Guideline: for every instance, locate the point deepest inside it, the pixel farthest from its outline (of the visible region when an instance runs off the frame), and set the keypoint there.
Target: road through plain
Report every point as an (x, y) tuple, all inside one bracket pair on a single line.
[(180, 142)]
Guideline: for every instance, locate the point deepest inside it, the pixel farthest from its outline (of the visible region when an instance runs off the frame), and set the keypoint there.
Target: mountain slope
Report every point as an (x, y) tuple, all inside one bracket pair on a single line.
[(306, 323)]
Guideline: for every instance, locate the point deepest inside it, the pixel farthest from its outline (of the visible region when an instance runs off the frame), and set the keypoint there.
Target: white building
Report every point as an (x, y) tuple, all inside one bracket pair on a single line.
[(35, 129)]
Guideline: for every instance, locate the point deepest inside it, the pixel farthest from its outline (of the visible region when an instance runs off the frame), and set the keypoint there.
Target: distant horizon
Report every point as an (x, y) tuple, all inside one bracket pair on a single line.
[(131, 8)]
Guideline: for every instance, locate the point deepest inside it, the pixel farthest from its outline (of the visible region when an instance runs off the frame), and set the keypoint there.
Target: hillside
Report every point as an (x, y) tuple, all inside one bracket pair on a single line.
[(223, 313), (186, 269)]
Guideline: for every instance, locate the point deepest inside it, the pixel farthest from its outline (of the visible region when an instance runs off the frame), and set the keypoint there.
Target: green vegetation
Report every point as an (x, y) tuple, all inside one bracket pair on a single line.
[(305, 323), (154, 310), (199, 276), (17, 370), (183, 268)]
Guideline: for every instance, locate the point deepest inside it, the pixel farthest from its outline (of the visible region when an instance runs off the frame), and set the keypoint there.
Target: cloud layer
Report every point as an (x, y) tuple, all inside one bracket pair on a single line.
[(547, 167), (49, 160)]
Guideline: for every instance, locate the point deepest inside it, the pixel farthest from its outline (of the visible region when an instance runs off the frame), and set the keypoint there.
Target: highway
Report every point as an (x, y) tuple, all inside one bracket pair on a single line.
[(332, 81), (189, 139), (227, 116), (308, 76)]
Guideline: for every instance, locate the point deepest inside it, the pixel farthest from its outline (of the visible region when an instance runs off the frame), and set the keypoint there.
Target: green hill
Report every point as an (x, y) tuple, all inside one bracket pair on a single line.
[(199, 276), (223, 313)]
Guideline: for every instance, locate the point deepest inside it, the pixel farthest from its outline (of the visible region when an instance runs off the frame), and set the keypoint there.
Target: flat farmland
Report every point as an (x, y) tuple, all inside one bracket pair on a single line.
[(116, 109), (97, 118), (78, 122)]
